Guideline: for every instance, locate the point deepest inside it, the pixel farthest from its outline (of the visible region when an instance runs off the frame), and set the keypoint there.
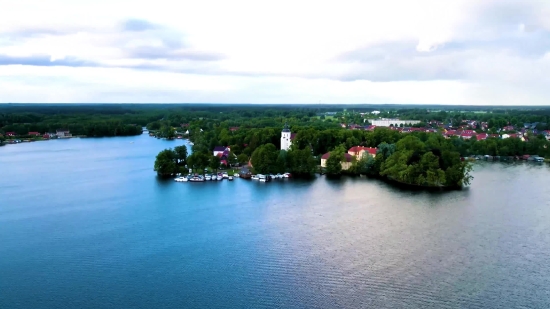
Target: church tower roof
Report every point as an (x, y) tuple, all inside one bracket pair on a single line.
[(286, 129)]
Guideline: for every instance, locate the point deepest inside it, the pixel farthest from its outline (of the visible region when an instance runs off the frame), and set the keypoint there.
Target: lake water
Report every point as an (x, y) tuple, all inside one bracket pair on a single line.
[(85, 223)]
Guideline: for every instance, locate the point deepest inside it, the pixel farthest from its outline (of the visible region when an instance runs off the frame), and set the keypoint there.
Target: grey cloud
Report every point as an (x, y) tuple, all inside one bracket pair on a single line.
[(44, 60), (493, 32)]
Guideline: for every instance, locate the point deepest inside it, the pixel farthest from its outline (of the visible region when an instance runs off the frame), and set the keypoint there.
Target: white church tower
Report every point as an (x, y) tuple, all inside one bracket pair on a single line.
[(285, 138)]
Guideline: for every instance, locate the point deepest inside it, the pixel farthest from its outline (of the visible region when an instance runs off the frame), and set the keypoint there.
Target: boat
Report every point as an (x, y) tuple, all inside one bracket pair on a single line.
[(225, 175), (207, 177), (197, 178), (230, 178), (219, 177), (255, 177), (263, 178), (279, 176), (236, 175), (180, 179), (286, 175)]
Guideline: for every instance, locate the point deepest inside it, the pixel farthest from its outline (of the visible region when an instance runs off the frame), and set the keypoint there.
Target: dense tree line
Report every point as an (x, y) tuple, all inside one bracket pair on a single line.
[(171, 161)]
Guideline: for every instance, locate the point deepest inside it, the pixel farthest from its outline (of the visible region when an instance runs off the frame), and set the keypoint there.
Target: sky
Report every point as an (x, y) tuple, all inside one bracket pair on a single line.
[(490, 52)]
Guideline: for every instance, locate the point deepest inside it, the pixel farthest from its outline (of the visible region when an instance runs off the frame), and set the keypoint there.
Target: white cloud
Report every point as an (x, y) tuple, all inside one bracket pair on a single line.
[(396, 51)]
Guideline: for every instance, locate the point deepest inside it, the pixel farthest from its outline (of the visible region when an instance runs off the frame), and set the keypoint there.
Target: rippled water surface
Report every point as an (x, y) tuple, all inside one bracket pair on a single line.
[(85, 223)]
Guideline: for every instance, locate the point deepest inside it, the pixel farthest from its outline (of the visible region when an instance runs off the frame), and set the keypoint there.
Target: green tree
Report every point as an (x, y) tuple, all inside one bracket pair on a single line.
[(168, 132), (165, 163), (300, 162), (242, 158), (232, 159), (334, 162), (198, 160), (214, 163), (264, 158), (181, 154)]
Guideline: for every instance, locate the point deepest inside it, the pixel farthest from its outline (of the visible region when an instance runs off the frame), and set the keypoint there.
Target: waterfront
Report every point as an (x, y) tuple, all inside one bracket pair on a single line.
[(85, 223)]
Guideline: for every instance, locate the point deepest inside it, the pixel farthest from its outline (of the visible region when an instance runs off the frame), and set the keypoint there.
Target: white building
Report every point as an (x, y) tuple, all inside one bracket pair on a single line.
[(63, 133), (385, 122), (286, 138)]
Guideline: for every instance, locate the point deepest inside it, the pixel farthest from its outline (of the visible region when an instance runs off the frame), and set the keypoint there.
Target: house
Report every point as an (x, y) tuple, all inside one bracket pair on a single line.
[(224, 156), (34, 133), (220, 150), (245, 173), (508, 128), (346, 164), (360, 151), (12, 134), (482, 136), (233, 129), (370, 128), (63, 133), (464, 135)]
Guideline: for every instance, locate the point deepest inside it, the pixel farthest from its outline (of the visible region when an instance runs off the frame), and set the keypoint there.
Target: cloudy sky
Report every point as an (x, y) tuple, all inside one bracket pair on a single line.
[(394, 51)]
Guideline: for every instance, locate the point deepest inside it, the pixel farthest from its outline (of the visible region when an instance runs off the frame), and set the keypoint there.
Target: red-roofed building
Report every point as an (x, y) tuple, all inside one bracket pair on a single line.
[(360, 151), (482, 136), (10, 134), (370, 128), (466, 135), (346, 164), (233, 129), (34, 133)]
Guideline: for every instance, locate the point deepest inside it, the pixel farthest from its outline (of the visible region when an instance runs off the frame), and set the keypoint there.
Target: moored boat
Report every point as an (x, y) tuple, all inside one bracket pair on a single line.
[(181, 179)]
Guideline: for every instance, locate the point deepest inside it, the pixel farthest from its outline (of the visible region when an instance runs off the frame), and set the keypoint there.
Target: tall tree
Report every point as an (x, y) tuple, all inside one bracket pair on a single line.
[(300, 162), (214, 163), (181, 154), (334, 162), (264, 158), (165, 163)]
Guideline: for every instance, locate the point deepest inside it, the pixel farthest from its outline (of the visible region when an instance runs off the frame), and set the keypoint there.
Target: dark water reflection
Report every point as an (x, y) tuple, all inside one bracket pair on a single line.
[(86, 224)]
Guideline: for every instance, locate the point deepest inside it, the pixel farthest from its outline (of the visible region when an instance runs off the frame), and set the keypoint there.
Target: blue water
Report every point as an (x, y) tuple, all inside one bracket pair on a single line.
[(85, 223)]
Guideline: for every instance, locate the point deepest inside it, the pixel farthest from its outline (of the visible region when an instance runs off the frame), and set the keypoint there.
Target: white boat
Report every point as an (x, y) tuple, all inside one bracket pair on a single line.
[(225, 175), (230, 178), (263, 178), (207, 177), (197, 179), (181, 179), (279, 176), (254, 177), (219, 177), (236, 175), (286, 175)]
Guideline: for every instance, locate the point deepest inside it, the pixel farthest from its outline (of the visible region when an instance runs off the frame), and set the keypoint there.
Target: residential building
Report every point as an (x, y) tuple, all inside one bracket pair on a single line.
[(360, 151), (386, 122), (220, 150), (346, 164), (63, 133)]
